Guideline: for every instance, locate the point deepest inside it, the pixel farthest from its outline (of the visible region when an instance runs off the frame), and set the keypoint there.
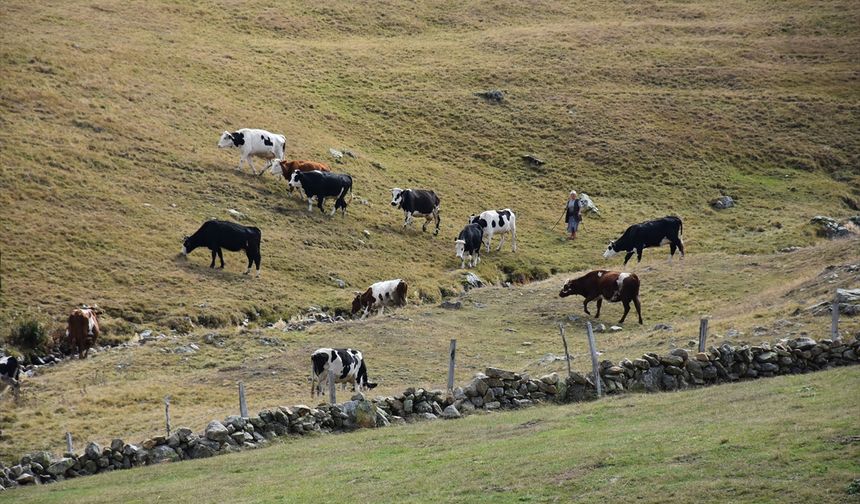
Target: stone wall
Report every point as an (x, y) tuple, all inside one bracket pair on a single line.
[(494, 389)]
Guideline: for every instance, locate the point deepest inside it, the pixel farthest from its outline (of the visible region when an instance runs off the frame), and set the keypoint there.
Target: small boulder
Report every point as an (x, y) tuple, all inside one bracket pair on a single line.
[(450, 412), (723, 202), (216, 431)]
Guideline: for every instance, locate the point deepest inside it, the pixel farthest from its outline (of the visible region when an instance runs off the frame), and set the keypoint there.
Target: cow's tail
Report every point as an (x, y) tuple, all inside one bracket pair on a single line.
[(349, 189), (680, 227)]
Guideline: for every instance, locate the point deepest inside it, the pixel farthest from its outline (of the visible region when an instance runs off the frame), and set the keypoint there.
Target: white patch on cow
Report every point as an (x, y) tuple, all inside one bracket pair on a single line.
[(599, 274), (664, 241), (621, 278), (184, 251), (396, 196), (609, 252)]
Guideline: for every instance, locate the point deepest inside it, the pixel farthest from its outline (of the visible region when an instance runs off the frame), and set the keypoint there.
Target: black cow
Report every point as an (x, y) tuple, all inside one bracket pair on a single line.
[(320, 185), (420, 202), (649, 234), (216, 235), (10, 375), (469, 242)]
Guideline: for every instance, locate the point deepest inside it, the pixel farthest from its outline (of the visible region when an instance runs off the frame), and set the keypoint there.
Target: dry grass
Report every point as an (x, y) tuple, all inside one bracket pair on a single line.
[(111, 110)]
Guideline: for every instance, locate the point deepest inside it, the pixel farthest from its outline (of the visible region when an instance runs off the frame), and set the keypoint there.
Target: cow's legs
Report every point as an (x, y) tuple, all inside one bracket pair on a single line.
[(463, 261), (638, 255), (638, 306), (310, 204), (250, 261), (626, 310), (585, 305), (501, 242), (408, 219), (320, 202), (212, 264), (251, 164), (438, 221), (427, 220), (241, 160), (513, 239), (599, 304), (628, 256), (489, 239), (221, 257), (680, 245), (671, 251)]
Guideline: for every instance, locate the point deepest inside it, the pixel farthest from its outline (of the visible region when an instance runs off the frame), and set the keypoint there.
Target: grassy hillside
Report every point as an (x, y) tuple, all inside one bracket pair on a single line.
[(119, 393), (111, 110), (788, 439)]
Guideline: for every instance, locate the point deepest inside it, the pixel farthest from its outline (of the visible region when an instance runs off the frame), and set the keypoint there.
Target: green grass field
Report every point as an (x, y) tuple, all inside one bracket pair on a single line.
[(787, 439), (111, 111)]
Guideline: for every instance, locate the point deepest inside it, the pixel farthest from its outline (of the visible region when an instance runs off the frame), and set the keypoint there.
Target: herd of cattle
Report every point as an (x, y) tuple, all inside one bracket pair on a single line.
[(318, 182)]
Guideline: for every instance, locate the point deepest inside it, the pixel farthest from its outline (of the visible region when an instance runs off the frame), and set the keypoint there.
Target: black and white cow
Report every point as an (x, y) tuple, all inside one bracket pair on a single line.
[(215, 235), (417, 202), (254, 143), (321, 185), (652, 233), (497, 222), (469, 242), (347, 364), (10, 375)]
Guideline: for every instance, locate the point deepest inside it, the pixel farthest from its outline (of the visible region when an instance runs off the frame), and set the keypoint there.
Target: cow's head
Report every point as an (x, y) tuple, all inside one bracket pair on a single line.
[(226, 140), (460, 248), (296, 179), (356, 303), (187, 246), (396, 196), (610, 250), (571, 288), (277, 167)]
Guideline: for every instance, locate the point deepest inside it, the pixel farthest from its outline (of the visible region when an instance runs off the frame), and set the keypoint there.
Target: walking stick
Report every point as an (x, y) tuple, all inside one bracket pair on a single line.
[(559, 220)]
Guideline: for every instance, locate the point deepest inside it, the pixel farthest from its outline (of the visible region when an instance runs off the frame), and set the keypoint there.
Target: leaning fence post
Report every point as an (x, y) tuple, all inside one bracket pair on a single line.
[(566, 353), (69, 447), (594, 365), (452, 353), (332, 398), (167, 414), (243, 406), (834, 318), (703, 333)]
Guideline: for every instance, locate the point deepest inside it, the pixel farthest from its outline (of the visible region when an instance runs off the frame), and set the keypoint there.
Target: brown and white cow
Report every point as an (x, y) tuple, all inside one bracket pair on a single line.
[(612, 286), (83, 330), (286, 168), (380, 294)]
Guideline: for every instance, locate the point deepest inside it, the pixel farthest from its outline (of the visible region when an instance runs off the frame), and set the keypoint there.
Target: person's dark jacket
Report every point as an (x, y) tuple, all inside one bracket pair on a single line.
[(574, 213)]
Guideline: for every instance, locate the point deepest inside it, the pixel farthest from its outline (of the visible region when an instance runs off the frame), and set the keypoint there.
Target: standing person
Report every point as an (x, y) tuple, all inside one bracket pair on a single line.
[(573, 216)]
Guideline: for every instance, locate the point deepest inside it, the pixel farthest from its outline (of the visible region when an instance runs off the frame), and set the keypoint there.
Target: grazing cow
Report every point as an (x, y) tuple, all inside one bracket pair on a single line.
[(347, 364), (82, 331), (497, 222), (320, 185), (10, 375), (254, 143), (652, 233), (469, 242), (380, 294), (215, 235), (420, 202), (609, 285)]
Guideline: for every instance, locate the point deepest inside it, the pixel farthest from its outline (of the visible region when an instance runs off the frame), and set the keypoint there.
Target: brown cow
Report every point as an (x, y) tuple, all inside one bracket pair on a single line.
[(286, 168), (83, 330), (609, 285)]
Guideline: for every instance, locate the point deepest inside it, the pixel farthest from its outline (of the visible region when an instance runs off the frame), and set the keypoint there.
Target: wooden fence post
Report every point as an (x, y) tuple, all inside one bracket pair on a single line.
[(703, 333), (332, 397), (452, 353), (243, 406), (167, 414), (69, 447), (594, 365), (834, 319), (566, 353)]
